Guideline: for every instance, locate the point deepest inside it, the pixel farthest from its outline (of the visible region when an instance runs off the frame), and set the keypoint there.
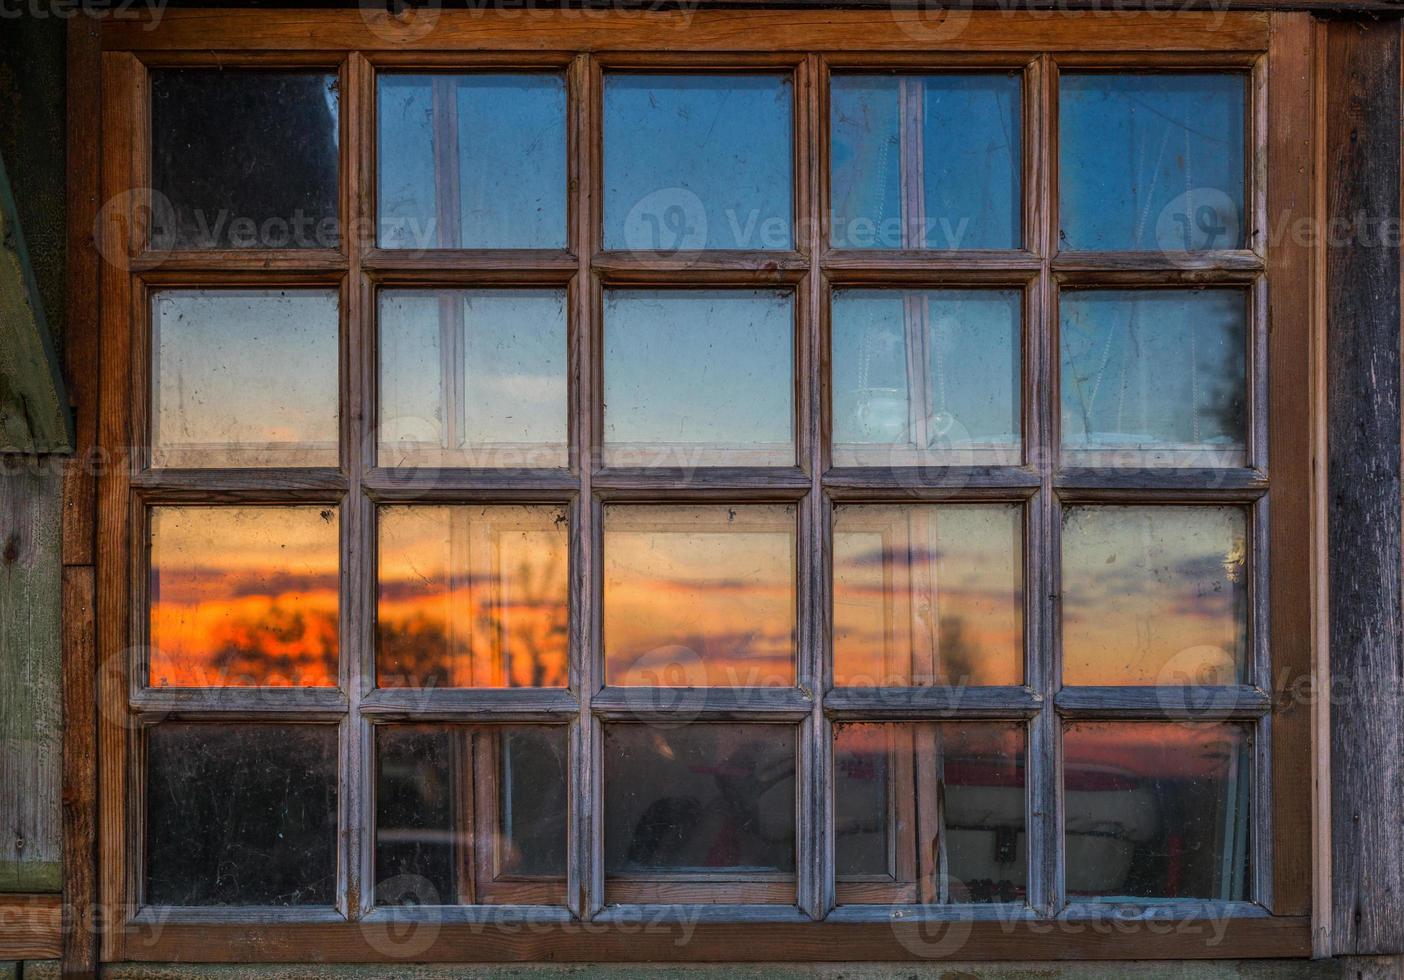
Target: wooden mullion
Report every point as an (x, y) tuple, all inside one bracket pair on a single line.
[(200, 264), (520, 705), (932, 703), (1189, 268), (1204, 704)]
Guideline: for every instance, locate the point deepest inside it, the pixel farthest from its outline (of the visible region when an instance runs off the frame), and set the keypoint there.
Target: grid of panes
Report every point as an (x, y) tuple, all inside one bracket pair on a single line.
[(824, 476)]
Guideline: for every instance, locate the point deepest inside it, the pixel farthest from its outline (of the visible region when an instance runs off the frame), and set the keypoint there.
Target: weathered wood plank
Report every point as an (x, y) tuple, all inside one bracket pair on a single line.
[(29, 927)]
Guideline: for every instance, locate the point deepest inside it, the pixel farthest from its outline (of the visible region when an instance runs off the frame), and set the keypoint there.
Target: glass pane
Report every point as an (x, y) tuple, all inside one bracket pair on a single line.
[(1152, 162), (702, 799), (244, 159), (451, 155), (243, 597), (926, 377), (928, 813), (473, 377), (241, 814), (925, 161), (1157, 810), (244, 378), (1154, 378), (697, 161), (470, 815), (927, 594), (699, 377), (1155, 595), (700, 596), (473, 596)]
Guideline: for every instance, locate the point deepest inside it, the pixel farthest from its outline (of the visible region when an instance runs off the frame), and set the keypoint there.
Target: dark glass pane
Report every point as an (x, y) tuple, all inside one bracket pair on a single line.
[(1155, 595), (1152, 162), (1158, 810), (928, 595), (244, 378), (472, 596), (244, 159), (926, 377), (700, 595), (928, 813), (925, 161), (241, 814), (699, 378), (699, 798), (698, 161), (470, 815), (452, 155), (243, 597), (473, 377), (1154, 378)]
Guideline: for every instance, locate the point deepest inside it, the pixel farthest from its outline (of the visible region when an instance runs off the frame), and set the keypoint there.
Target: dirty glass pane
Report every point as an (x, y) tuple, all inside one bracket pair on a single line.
[(925, 377), (1154, 377), (244, 377), (244, 159), (700, 595), (243, 596), (473, 377), (928, 594), (1152, 161), (452, 149), (929, 813), (698, 161), (470, 815), (472, 596), (699, 377), (241, 814), (1155, 595), (925, 161), (1157, 810), (700, 798)]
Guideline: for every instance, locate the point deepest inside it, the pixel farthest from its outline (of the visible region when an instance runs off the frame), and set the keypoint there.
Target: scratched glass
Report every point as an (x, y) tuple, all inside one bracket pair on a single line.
[(241, 814), (928, 595), (1158, 810), (243, 596), (473, 378), (699, 377), (1152, 161), (926, 377), (700, 595), (698, 162), (450, 163), (929, 813), (471, 814), (244, 378), (925, 161), (472, 596), (244, 159), (1155, 595), (1154, 377)]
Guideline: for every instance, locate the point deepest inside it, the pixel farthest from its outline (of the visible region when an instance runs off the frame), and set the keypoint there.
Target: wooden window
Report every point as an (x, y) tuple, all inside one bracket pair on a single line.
[(806, 489)]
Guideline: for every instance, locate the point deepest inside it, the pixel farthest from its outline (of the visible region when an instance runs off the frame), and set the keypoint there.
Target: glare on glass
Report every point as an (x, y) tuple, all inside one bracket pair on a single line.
[(1151, 162), (699, 377), (244, 377), (244, 159), (925, 161), (1154, 377), (929, 813), (1157, 810), (698, 162), (470, 814), (473, 377), (700, 595), (926, 377), (243, 596), (450, 163), (1155, 595), (927, 595), (241, 814), (472, 596)]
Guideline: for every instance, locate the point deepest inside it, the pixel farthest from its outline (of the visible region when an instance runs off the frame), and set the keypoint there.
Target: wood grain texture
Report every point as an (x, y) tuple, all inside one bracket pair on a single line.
[(29, 927)]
